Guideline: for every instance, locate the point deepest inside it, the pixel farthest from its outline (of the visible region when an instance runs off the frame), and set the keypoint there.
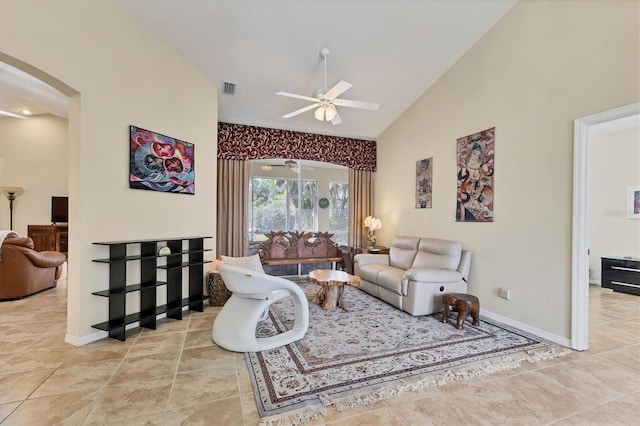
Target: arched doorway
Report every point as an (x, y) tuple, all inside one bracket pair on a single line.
[(73, 318)]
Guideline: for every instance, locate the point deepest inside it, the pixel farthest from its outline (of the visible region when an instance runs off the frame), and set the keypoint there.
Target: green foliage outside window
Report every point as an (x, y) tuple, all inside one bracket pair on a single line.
[(273, 206)]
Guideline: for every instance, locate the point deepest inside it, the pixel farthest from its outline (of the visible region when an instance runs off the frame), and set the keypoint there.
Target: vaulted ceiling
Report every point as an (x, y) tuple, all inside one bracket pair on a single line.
[(391, 51)]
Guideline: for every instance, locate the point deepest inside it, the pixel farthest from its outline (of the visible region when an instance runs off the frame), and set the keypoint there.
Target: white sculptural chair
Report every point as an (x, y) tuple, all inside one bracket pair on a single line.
[(253, 292)]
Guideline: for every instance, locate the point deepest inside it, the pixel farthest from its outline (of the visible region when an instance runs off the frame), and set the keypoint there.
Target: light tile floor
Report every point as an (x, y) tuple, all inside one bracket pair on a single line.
[(175, 375)]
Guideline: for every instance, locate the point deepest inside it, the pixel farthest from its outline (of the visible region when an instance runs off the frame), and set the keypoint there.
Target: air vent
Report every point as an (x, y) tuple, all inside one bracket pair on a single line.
[(229, 88)]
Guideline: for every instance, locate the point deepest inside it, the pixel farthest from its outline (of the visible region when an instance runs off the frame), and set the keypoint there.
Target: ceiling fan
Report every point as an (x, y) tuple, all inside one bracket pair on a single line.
[(291, 164), (326, 100)]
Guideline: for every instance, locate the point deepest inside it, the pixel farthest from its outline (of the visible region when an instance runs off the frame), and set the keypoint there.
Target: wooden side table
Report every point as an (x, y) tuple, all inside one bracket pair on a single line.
[(375, 250), (218, 291)]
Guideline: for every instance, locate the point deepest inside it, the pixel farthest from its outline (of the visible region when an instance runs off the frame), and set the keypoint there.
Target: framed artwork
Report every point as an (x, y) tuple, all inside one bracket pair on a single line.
[(633, 202), (424, 179), (160, 163), (475, 177)]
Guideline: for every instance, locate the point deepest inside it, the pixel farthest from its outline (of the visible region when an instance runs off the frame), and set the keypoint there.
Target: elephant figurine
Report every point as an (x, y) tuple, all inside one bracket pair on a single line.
[(463, 304)]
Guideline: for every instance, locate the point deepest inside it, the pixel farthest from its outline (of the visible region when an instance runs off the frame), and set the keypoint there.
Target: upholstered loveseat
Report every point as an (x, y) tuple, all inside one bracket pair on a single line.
[(415, 274)]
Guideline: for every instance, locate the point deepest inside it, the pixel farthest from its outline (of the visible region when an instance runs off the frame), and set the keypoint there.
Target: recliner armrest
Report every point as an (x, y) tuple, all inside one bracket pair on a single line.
[(465, 264), (363, 259), (428, 275), (45, 259)]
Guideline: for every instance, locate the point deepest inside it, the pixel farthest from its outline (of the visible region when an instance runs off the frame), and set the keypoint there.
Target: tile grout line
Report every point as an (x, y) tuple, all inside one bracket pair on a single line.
[(115, 370), (175, 374), (593, 408)]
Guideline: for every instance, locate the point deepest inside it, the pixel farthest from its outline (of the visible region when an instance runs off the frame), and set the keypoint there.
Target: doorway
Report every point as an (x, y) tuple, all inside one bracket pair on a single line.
[(581, 220), (73, 124)]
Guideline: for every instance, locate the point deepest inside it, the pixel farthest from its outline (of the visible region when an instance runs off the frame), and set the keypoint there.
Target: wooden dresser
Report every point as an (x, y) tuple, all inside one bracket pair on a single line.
[(49, 237), (621, 274)]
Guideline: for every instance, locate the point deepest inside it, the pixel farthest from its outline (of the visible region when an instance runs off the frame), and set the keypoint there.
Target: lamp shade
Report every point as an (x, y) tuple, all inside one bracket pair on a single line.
[(372, 223), (11, 189), (319, 113)]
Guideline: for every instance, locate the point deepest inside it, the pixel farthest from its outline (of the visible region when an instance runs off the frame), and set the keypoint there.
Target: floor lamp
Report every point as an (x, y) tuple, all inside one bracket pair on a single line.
[(11, 192)]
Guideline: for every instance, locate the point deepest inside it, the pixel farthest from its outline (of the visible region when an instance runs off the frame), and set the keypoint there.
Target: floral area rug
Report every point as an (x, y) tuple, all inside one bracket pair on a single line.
[(374, 352)]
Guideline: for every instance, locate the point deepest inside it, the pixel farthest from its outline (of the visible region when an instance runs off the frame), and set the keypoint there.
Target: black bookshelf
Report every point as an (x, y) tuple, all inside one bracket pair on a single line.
[(149, 310)]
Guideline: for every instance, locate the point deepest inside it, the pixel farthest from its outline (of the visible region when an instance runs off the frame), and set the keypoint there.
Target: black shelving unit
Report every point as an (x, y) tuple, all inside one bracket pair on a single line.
[(148, 258)]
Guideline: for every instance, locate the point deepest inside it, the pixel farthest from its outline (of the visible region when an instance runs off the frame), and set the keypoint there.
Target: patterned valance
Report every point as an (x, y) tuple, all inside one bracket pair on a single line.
[(241, 142)]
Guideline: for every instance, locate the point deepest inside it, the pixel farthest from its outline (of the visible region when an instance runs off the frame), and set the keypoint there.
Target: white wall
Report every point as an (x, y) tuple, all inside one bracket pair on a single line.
[(615, 166), (119, 75), (34, 155), (543, 65)]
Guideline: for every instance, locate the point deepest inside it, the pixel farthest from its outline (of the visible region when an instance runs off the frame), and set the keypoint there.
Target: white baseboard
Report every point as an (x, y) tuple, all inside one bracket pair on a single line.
[(563, 341), (595, 282), (93, 337), (83, 340)]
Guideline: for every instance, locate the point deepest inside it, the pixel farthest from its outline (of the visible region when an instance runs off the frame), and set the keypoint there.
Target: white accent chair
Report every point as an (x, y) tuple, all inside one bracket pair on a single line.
[(253, 292)]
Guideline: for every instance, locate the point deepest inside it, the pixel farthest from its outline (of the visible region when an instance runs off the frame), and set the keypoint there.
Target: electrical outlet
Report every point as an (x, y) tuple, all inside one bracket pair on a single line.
[(505, 293)]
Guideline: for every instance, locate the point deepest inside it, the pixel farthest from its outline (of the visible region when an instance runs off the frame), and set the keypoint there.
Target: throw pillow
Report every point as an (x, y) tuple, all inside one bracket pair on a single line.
[(248, 262)]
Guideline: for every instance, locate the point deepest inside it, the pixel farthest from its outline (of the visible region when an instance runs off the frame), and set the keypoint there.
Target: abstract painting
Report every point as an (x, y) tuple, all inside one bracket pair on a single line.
[(633, 203), (424, 179), (475, 177), (160, 163)]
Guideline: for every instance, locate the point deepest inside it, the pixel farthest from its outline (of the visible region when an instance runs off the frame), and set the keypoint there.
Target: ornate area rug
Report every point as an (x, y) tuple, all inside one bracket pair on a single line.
[(373, 352)]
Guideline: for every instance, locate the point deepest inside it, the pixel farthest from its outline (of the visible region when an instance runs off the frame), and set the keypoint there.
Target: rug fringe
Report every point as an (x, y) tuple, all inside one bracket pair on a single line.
[(295, 418), (487, 368)]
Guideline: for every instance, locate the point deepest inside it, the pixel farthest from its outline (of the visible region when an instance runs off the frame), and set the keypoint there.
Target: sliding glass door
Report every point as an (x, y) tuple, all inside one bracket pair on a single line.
[(298, 195)]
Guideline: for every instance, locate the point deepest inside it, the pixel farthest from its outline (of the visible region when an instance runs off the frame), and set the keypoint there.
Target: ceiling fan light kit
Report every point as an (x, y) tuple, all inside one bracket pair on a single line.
[(326, 112), (325, 101)]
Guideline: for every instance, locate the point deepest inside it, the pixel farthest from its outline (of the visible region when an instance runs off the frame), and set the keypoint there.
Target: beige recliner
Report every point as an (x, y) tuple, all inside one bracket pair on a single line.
[(24, 271), (416, 273)]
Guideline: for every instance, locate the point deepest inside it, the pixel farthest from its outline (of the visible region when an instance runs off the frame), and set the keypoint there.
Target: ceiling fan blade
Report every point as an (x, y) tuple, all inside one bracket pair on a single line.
[(356, 104), (336, 119), (307, 168), (301, 110), (293, 95), (337, 90)]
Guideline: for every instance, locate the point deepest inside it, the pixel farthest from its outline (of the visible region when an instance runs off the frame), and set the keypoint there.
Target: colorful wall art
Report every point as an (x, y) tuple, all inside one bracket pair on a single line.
[(475, 177), (633, 197), (161, 163), (424, 179)]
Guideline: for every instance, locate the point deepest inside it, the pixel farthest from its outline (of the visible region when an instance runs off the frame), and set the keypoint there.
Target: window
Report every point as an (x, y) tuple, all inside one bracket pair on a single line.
[(339, 211), (273, 206)]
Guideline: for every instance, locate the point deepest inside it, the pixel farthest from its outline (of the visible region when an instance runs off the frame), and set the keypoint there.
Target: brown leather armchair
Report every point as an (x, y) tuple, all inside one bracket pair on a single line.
[(24, 271)]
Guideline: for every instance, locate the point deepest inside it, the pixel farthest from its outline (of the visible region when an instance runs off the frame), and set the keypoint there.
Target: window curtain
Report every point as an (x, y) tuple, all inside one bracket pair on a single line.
[(233, 201), (360, 205)]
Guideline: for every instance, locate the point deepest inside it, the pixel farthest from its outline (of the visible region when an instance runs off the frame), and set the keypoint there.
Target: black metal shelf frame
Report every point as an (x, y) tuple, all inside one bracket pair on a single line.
[(148, 258)]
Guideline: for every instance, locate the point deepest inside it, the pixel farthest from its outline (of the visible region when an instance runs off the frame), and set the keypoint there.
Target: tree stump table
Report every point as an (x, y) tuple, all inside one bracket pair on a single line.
[(332, 284)]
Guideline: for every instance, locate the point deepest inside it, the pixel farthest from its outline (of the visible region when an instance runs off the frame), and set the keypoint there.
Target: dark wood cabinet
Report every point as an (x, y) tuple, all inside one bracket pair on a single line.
[(621, 274), (49, 237), (180, 257)]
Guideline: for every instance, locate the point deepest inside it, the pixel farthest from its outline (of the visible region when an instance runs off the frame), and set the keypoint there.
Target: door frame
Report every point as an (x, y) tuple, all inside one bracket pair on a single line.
[(581, 220)]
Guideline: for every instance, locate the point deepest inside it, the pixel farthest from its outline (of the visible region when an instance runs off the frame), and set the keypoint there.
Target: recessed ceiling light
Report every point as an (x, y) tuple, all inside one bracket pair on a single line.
[(10, 114), (26, 112)]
